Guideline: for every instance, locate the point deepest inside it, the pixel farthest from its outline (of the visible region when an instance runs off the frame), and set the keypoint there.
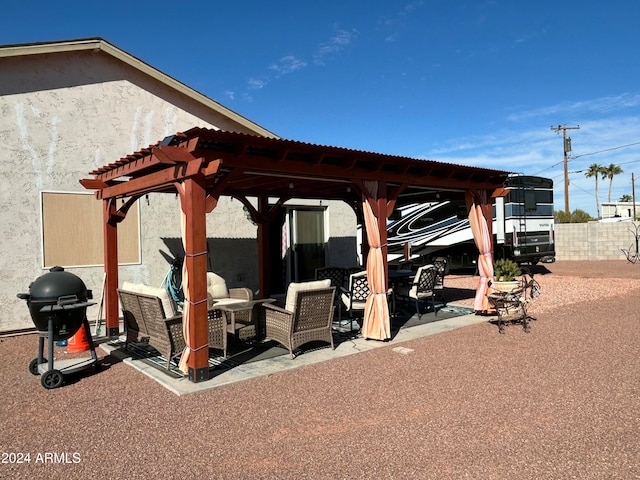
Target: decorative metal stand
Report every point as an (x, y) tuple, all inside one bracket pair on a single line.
[(632, 253), (511, 307)]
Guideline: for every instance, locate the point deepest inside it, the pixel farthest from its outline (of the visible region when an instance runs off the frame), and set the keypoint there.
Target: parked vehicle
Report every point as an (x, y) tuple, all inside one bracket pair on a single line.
[(523, 227)]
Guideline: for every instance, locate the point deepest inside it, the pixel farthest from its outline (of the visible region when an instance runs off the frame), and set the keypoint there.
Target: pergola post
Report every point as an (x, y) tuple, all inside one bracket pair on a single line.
[(110, 255), (487, 213), (193, 202), (264, 263)]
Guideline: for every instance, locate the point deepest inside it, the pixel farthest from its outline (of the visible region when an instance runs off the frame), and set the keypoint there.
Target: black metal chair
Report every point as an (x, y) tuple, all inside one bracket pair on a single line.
[(355, 297), (335, 274), (441, 266), (423, 287)]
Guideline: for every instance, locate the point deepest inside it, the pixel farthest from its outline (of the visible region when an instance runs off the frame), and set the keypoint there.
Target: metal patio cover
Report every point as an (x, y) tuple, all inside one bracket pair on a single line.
[(202, 164)]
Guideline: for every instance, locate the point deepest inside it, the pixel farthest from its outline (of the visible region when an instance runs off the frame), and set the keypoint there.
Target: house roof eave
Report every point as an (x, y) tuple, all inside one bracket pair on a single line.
[(100, 45)]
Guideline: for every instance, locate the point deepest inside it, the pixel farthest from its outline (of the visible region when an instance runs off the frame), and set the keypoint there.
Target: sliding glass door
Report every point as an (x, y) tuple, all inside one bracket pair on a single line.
[(307, 243)]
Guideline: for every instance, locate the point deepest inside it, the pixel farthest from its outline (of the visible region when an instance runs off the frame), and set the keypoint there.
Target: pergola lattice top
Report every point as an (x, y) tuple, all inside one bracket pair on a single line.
[(255, 165)]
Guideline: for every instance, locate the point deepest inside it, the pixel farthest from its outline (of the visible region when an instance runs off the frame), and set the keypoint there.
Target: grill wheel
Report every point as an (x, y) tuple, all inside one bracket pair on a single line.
[(51, 379)]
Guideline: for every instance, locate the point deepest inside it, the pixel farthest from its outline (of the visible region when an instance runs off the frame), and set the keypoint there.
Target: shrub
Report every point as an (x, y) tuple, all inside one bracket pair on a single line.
[(577, 216), (505, 270)]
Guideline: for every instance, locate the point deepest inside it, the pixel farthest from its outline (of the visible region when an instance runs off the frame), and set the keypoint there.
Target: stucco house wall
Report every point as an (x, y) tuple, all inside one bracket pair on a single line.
[(64, 112)]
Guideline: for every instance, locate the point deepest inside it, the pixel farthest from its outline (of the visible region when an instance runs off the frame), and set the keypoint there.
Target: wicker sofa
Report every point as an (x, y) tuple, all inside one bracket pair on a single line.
[(306, 317), (144, 318)]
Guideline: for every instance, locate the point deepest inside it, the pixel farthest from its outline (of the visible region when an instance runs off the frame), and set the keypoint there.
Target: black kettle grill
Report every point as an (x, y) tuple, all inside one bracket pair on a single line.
[(58, 296), (58, 304)]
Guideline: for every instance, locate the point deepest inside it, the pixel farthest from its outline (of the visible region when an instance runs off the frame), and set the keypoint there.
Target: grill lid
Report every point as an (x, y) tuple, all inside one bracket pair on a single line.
[(55, 284), (59, 299)]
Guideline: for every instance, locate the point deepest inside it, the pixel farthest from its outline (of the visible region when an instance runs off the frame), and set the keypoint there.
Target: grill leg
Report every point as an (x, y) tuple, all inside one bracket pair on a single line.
[(40, 349), (50, 339)]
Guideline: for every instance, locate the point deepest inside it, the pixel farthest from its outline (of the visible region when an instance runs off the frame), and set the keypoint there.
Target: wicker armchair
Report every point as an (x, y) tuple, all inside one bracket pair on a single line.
[(218, 291), (307, 317), (218, 331), (218, 294)]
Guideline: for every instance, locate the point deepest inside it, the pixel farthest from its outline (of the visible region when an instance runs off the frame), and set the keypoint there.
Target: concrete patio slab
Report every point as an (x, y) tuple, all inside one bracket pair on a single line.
[(282, 363)]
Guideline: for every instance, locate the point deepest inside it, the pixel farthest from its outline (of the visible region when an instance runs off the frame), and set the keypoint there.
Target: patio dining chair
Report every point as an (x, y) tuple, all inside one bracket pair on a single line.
[(334, 274), (355, 297), (441, 266), (423, 287)]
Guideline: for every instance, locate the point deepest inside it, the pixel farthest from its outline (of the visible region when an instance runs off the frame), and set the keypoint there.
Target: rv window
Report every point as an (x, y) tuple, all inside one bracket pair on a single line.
[(530, 200)]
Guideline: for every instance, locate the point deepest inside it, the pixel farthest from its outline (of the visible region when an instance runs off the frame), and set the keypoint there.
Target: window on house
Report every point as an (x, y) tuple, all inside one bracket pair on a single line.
[(72, 232)]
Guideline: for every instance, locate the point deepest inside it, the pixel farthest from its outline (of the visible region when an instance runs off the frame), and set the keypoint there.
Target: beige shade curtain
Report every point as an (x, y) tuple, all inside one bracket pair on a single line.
[(477, 204), (376, 323)]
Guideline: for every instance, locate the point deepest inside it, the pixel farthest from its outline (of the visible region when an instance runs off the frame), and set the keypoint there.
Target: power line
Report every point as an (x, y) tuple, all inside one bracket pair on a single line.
[(573, 157), (621, 163), (606, 150)]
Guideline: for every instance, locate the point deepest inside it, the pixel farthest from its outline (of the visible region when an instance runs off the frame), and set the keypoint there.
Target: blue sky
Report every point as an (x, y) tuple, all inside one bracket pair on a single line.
[(469, 82)]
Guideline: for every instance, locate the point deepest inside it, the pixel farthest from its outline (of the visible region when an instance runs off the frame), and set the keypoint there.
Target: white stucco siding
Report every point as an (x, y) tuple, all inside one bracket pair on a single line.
[(63, 115), (52, 133)]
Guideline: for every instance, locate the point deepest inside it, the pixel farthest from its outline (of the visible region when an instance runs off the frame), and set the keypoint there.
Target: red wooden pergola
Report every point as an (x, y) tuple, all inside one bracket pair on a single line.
[(201, 164)]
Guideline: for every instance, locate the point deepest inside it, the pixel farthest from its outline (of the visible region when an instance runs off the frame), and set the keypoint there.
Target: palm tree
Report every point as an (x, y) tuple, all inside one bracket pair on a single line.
[(609, 172), (595, 170), (625, 198)]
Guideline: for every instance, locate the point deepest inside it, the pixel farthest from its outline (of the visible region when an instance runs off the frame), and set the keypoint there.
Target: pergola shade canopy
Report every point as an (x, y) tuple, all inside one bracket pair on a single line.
[(254, 166), (202, 164)]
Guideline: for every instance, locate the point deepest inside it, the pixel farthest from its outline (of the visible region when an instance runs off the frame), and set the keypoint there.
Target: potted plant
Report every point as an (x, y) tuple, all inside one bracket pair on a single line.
[(505, 273)]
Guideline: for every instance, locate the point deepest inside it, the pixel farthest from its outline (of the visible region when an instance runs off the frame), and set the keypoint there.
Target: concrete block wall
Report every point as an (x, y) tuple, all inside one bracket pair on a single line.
[(594, 240)]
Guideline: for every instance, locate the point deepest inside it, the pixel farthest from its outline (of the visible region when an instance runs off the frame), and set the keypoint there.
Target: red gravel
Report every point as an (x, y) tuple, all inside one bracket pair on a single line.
[(560, 402)]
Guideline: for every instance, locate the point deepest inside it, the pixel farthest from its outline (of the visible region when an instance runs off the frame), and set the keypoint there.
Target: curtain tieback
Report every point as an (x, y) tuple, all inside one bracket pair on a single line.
[(195, 254), (196, 303), (206, 345)]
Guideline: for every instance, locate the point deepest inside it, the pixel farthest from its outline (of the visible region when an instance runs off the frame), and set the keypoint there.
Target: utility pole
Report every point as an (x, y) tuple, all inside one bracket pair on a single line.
[(633, 195), (567, 148)]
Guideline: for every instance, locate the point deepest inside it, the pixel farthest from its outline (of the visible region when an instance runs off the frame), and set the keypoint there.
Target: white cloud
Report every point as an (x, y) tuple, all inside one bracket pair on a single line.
[(287, 64), (337, 43), (411, 7), (540, 151), (290, 63), (256, 83), (574, 109)]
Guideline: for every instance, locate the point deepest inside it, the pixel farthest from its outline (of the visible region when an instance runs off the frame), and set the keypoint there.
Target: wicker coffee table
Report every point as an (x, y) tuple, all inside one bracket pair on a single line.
[(241, 315)]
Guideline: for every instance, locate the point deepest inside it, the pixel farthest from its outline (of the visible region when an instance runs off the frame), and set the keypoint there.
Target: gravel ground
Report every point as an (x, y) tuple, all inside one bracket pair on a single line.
[(560, 402)]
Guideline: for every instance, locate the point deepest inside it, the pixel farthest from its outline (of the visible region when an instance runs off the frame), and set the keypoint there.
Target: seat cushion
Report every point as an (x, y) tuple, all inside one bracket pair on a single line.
[(216, 286), (294, 288), (355, 305), (161, 293)]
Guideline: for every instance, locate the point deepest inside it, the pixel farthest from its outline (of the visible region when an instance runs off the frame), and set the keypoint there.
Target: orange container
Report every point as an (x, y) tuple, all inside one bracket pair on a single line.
[(79, 342)]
